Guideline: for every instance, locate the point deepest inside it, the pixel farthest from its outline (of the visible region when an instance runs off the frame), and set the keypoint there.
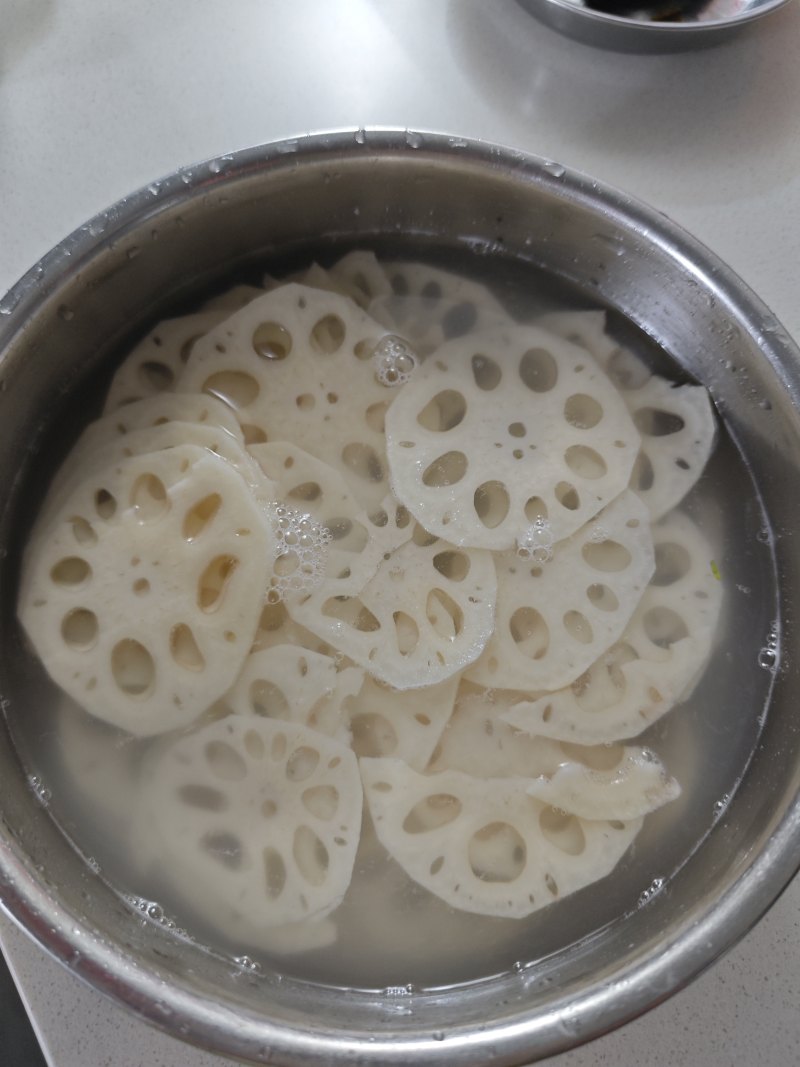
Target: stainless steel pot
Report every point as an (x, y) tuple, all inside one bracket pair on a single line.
[(72, 312)]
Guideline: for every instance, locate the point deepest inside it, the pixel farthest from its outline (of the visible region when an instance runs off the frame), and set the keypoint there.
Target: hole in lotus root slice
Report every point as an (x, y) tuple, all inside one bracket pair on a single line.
[(235, 388), (149, 498), (184, 648), (551, 623), (290, 683), (293, 808), (155, 363), (324, 329), (493, 856), (576, 470), (453, 617), (497, 853), (404, 724), (434, 811), (328, 334), (173, 618), (71, 571), (679, 432), (486, 373), (200, 516), (563, 830), (271, 341), (79, 629), (656, 660), (133, 669), (491, 503), (582, 411), (311, 856), (444, 412)]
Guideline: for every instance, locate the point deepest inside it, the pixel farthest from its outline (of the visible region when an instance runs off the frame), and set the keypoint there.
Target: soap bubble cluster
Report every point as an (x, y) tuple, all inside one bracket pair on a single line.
[(535, 543), (394, 359), (301, 553)]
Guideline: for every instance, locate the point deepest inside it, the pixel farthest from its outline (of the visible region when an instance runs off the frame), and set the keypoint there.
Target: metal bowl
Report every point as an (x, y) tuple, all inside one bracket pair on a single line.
[(72, 313), (652, 26)]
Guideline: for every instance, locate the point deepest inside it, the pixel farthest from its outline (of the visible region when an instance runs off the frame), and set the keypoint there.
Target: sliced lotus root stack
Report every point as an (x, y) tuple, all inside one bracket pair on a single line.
[(148, 413), (155, 363), (555, 618), (214, 438), (103, 437), (598, 782), (296, 685), (656, 660), (404, 724), (143, 594), (679, 431), (485, 845), (255, 822), (425, 615), (498, 431), (295, 365)]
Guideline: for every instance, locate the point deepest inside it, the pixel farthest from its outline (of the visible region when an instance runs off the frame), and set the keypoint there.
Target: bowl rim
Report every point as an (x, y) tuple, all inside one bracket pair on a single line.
[(609, 1002), (685, 29)]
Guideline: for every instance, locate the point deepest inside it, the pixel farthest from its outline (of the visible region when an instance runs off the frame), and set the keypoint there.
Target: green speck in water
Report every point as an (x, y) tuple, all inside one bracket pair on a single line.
[(715, 570)]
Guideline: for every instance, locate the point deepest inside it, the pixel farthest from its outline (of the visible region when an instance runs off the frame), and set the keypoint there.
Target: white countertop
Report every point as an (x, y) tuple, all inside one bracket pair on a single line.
[(99, 98)]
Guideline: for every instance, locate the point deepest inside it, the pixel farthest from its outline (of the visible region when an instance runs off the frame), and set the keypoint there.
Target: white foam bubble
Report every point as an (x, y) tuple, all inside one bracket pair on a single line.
[(301, 555), (395, 361), (535, 543)]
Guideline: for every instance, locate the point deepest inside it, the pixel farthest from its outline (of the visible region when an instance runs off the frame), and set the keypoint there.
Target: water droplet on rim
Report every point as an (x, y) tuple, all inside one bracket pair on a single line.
[(557, 170)]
